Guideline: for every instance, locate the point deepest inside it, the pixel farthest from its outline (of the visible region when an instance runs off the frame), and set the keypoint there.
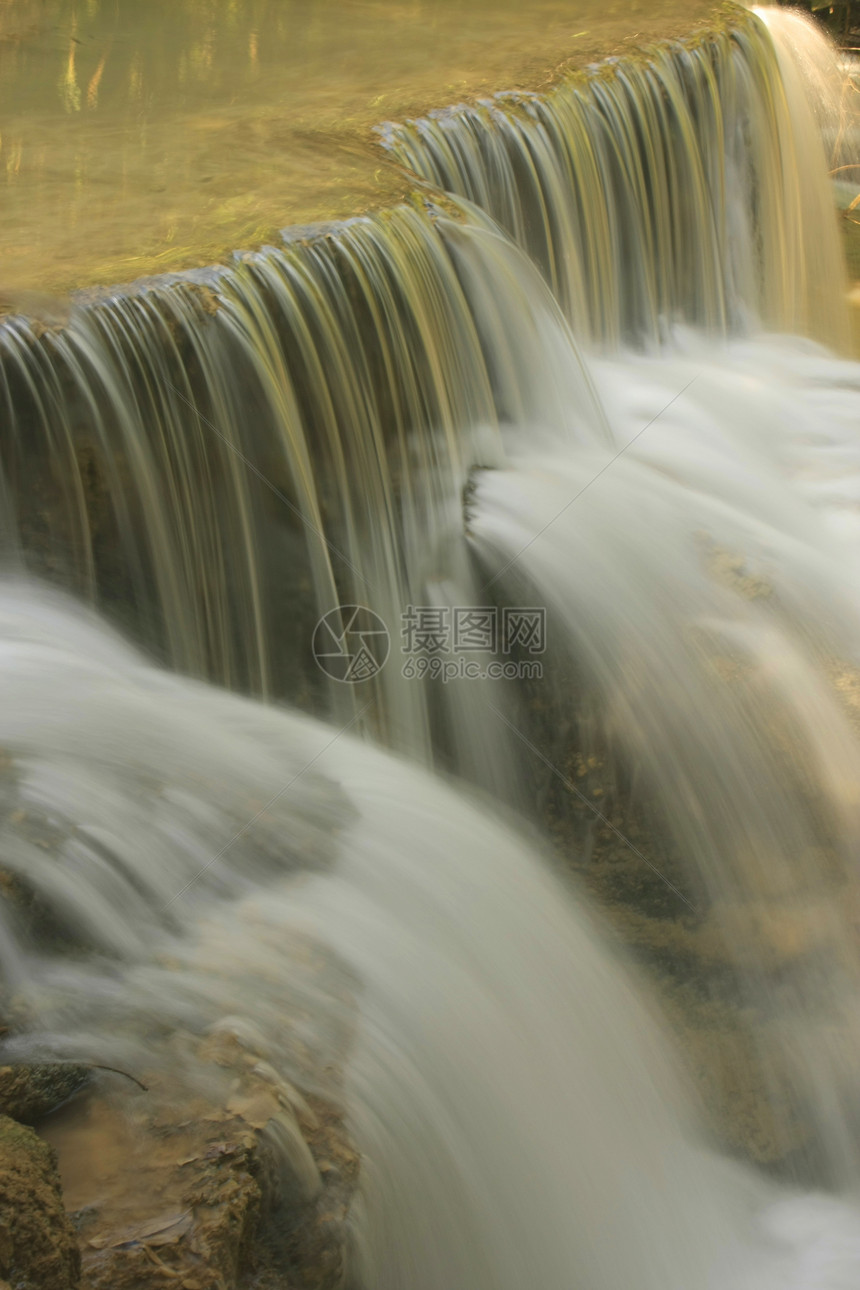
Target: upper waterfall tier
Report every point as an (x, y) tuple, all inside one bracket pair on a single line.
[(689, 186), (147, 138), (203, 459)]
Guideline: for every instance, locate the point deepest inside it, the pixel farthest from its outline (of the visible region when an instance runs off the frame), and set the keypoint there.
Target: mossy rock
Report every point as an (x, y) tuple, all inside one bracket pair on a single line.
[(30, 1092), (38, 1249)]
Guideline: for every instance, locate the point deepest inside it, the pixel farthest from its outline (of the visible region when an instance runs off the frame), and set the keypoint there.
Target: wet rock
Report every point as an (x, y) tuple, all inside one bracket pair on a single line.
[(38, 1249), (241, 1180), (317, 1243), (201, 1236), (29, 1093)]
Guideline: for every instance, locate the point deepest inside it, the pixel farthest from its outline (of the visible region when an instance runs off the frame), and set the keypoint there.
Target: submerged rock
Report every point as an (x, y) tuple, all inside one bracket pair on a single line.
[(38, 1250)]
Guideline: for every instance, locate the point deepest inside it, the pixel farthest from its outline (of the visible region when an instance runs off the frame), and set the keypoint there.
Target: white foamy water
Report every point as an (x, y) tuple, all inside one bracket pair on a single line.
[(514, 1102)]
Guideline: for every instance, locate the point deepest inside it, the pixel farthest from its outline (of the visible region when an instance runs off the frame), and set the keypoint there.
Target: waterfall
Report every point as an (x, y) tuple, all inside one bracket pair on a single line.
[(581, 375), (705, 588), (688, 187), (513, 1100), (218, 458)]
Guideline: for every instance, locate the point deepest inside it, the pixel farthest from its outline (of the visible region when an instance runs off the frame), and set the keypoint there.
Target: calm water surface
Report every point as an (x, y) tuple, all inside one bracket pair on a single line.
[(141, 137)]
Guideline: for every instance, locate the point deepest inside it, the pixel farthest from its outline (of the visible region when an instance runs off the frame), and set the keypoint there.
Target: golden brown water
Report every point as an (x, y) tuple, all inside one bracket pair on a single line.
[(137, 138)]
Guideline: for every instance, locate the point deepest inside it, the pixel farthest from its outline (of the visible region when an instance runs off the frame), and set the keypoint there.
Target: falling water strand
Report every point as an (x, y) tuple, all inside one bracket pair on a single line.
[(685, 186)]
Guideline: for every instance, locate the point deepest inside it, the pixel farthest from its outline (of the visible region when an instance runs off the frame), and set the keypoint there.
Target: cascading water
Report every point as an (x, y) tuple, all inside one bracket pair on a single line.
[(348, 362), (712, 606), (685, 187), (513, 1101), (219, 460)]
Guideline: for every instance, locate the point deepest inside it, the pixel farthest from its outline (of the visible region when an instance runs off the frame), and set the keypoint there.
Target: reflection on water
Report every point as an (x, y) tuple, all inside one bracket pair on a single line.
[(146, 137)]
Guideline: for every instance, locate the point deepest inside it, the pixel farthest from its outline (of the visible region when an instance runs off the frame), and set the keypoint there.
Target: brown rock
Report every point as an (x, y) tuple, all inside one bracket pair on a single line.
[(38, 1249)]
